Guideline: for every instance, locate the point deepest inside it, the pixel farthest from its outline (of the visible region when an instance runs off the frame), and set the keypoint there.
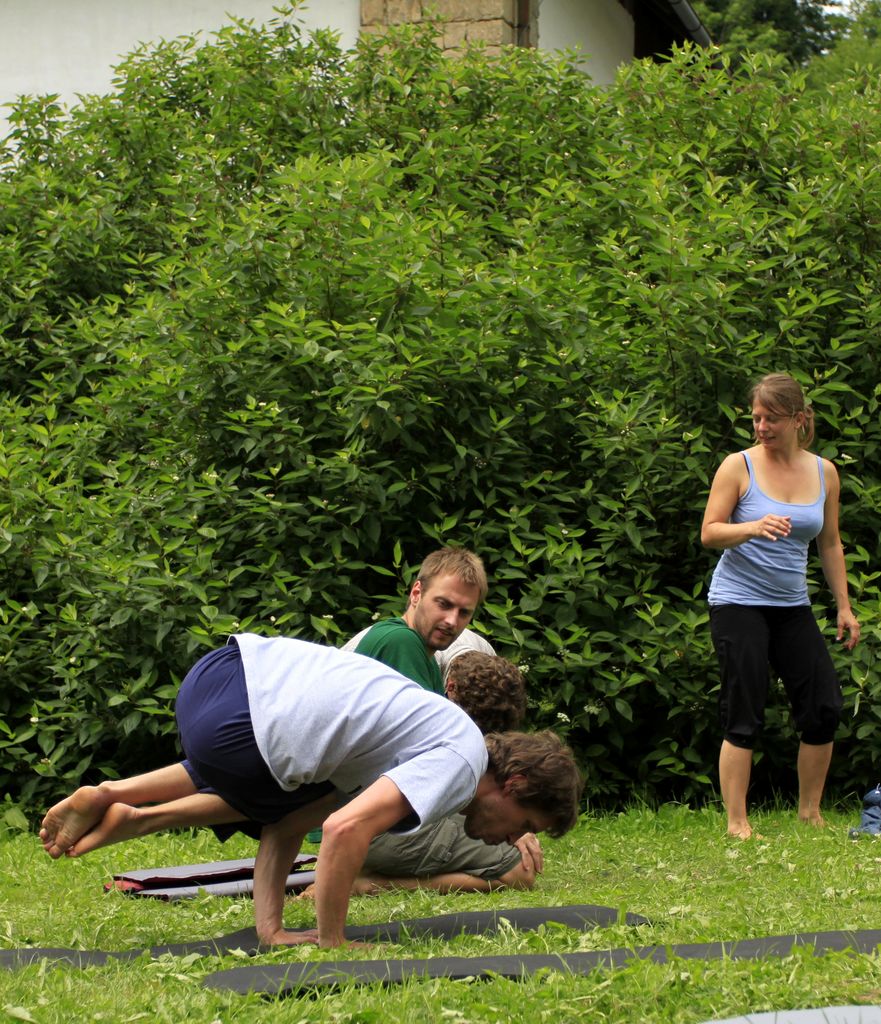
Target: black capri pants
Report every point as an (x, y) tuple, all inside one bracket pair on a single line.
[(749, 638)]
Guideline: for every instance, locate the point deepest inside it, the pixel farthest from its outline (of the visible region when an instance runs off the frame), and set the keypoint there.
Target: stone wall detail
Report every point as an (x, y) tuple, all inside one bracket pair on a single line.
[(493, 23)]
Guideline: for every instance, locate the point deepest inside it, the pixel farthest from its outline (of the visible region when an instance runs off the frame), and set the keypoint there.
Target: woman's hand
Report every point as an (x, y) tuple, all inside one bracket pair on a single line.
[(847, 623), (772, 527)]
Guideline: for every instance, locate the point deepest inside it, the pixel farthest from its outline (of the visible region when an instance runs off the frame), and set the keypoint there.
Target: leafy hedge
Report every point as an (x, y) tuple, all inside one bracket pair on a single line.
[(277, 320)]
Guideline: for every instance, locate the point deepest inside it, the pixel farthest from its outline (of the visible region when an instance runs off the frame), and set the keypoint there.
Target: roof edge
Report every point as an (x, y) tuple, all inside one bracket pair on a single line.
[(691, 22)]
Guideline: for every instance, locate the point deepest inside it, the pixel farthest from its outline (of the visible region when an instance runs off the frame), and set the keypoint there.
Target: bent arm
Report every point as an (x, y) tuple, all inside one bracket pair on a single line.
[(347, 835), (729, 483), (831, 553), (279, 845)]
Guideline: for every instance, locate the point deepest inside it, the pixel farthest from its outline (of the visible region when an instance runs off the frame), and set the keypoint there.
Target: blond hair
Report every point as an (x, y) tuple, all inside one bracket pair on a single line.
[(459, 562)]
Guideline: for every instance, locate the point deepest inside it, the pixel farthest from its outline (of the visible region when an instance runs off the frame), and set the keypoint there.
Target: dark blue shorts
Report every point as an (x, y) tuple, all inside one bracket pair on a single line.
[(214, 723), (750, 638)]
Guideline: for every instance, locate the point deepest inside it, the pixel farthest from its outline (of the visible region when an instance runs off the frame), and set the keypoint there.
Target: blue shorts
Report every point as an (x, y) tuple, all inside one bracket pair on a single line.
[(214, 723), (749, 638)]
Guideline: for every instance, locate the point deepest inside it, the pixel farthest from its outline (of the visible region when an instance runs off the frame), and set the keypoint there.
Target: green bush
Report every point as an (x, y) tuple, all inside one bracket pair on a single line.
[(278, 320)]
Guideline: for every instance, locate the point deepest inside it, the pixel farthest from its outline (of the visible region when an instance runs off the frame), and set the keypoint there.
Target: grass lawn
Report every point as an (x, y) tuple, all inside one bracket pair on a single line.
[(674, 866)]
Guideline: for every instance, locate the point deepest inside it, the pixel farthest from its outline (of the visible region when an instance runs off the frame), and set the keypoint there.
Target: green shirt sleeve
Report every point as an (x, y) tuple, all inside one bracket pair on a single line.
[(394, 644)]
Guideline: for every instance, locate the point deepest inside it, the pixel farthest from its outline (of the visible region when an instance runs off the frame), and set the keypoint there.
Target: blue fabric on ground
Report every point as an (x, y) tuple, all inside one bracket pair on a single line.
[(820, 1015), (870, 821)]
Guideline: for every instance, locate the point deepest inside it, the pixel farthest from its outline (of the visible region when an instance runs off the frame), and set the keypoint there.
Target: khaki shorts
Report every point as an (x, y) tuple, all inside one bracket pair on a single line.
[(439, 849)]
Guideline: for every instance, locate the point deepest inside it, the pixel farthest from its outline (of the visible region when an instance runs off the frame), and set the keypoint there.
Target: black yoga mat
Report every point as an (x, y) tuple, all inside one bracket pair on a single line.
[(445, 926), (218, 878), (289, 979)]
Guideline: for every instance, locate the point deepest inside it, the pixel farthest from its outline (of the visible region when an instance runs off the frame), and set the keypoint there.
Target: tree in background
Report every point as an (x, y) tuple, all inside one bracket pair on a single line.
[(798, 29), (857, 48)]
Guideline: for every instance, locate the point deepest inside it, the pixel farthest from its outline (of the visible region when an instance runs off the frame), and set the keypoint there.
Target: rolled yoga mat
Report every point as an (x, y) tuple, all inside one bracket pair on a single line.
[(217, 878), (582, 917)]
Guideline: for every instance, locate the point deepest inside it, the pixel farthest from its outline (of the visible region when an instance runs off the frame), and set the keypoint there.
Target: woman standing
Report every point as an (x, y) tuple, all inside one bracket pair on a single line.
[(766, 505)]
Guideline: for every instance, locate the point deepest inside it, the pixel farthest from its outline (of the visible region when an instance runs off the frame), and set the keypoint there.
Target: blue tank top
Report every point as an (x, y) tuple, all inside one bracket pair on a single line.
[(762, 571)]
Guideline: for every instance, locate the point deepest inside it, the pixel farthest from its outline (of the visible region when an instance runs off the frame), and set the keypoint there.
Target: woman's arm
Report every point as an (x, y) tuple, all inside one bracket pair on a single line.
[(832, 559), (729, 484)]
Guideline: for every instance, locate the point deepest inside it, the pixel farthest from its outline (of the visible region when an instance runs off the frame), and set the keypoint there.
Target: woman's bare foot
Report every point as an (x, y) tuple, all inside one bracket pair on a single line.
[(742, 830), (69, 820), (120, 822), (816, 820)]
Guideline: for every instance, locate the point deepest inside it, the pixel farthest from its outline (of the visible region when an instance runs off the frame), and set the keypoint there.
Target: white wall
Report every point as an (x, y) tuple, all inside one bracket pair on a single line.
[(70, 46), (602, 30)]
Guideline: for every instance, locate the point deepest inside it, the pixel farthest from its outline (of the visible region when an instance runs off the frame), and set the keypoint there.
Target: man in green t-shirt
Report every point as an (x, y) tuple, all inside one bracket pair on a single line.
[(450, 585), (442, 601)]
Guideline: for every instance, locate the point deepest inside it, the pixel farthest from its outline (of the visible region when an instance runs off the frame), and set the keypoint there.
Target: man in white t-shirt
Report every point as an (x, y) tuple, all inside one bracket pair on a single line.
[(466, 641), (292, 735), (442, 857)]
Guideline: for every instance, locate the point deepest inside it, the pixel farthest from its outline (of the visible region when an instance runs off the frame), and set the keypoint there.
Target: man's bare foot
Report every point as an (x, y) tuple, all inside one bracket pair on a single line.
[(120, 822), (71, 819), (366, 885), (363, 885)]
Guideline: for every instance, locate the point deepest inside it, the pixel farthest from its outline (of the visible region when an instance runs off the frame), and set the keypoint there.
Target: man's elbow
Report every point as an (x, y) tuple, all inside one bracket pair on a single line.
[(341, 829)]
